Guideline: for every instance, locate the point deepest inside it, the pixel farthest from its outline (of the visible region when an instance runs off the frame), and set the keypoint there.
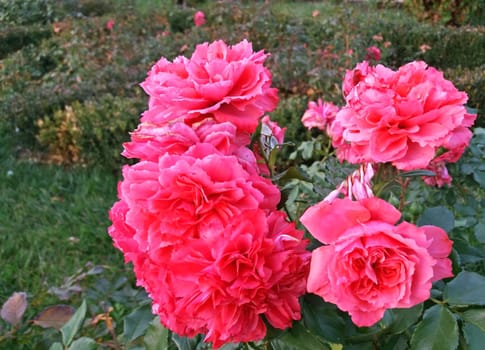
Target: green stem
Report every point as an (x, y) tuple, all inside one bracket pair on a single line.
[(436, 301), (402, 198)]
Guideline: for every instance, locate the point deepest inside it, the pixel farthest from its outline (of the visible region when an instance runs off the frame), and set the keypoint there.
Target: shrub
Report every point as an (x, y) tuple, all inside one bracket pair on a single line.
[(89, 132), (450, 12), (16, 37), (75, 65), (471, 80), (21, 12), (180, 19), (25, 12)]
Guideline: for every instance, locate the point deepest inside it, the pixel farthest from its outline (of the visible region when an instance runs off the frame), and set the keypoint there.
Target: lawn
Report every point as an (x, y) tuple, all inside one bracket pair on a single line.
[(70, 97)]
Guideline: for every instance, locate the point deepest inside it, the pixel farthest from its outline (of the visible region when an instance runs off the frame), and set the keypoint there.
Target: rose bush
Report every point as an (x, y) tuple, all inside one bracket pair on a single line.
[(200, 212)]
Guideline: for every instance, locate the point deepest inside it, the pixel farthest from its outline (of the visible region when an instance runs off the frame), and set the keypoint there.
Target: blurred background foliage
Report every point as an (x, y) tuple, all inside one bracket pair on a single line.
[(60, 55)]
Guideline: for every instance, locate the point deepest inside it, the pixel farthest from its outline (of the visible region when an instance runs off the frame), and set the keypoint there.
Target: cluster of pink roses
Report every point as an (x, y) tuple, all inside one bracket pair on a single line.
[(197, 213), (195, 216), (412, 118)]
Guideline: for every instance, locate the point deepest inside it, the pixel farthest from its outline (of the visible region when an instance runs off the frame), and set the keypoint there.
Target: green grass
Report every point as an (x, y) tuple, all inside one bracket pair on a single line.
[(53, 221)]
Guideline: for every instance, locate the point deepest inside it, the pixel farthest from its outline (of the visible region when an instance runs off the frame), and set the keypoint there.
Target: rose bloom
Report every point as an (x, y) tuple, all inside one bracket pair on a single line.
[(223, 284), (369, 264), (110, 24), (199, 18), (438, 166), (272, 129), (150, 141), (441, 177), (403, 117), (227, 83), (373, 53), (357, 185), (191, 194), (319, 114), (222, 287)]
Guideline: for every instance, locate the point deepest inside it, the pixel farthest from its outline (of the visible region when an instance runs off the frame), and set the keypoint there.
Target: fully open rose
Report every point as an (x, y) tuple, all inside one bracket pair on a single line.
[(228, 83), (370, 264), (223, 283), (403, 117)]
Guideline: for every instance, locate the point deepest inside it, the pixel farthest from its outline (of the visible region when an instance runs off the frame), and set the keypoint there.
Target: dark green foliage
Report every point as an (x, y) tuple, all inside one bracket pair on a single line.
[(471, 80), (449, 12), (21, 12), (15, 37), (180, 19), (90, 133)]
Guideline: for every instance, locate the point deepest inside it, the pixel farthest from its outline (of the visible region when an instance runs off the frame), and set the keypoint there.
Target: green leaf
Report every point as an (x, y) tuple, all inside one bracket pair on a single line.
[(472, 111), (184, 343), (480, 232), (475, 337), (231, 346), (72, 326), (323, 319), (393, 342), (56, 346), (468, 288), (298, 337), (83, 343), (438, 216), (307, 149), (419, 172), (359, 346), (402, 319), (437, 330), (289, 174), (156, 337), (136, 323), (476, 317), (273, 157)]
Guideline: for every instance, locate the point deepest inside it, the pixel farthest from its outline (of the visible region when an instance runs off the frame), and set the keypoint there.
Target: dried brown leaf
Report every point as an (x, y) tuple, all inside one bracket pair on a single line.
[(13, 309), (54, 316)]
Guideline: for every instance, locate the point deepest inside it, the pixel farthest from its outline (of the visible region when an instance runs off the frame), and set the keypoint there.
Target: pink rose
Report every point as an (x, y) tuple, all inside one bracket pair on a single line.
[(319, 114), (199, 18), (356, 186), (189, 195), (354, 76), (441, 177), (273, 130), (373, 54), (223, 284), (403, 117), (150, 141), (110, 24), (227, 83), (370, 264)]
